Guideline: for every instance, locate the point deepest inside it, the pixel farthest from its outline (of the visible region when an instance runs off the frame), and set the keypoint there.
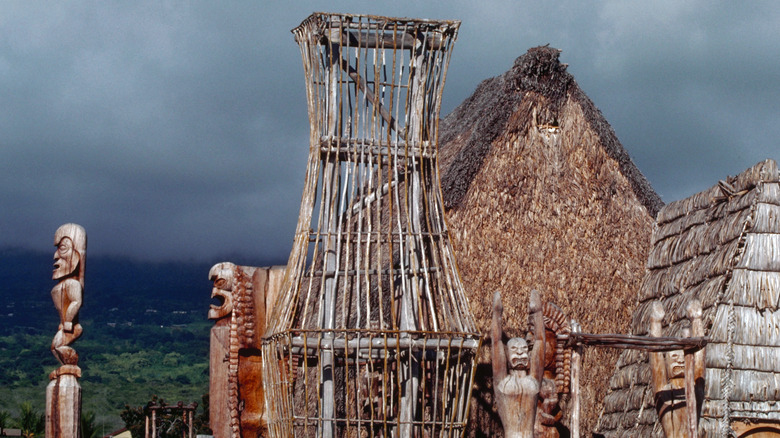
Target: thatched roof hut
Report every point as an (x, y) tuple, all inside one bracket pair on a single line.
[(541, 194), (722, 247)]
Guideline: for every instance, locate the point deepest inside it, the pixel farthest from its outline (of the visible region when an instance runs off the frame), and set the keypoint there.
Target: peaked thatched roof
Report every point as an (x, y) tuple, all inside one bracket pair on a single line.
[(485, 115), (541, 194), (722, 247)]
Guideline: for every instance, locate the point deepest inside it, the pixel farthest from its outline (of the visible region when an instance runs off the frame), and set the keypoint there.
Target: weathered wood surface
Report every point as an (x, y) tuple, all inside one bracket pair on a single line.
[(676, 367), (516, 387), (675, 377), (63, 394), (576, 363), (245, 294), (647, 343), (372, 300), (69, 263)]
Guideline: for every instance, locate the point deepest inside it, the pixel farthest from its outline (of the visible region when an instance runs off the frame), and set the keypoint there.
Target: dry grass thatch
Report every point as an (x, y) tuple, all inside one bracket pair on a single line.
[(542, 195), (722, 247)]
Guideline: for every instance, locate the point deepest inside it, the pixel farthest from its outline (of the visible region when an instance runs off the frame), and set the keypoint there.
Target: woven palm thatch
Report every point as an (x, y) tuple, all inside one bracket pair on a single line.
[(722, 247), (541, 194)]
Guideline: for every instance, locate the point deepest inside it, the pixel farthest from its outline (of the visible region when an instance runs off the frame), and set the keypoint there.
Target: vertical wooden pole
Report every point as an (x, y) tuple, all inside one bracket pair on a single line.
[(576, 360), (694, 366), (690, 395), (330, 183), (412, 293)]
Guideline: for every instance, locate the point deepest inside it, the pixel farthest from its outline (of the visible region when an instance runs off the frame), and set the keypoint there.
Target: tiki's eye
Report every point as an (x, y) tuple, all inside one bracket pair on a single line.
[(65, 246)]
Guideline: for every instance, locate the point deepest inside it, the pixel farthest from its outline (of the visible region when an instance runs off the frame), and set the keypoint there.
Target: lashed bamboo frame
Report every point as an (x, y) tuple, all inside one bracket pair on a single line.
[(372, 333)]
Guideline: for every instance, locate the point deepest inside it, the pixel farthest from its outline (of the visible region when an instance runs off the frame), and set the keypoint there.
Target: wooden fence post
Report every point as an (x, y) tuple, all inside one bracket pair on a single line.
[(576, 361)]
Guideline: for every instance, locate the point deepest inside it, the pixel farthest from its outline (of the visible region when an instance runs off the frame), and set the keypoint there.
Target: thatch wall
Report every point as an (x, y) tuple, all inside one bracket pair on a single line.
[(722, 247), (542, 195)]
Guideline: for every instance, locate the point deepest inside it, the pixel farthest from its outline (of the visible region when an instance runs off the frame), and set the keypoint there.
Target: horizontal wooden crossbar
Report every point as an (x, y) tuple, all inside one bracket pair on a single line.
[(647, 343)]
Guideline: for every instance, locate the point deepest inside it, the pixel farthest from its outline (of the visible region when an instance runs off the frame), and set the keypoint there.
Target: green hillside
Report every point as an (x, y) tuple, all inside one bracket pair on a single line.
[(145, 333)]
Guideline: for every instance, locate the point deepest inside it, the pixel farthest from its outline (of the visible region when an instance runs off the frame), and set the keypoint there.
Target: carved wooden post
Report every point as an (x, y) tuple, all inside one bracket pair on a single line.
[(576, 361), (235, 380), (516, 389), (690, 394), (677, 377), (219, 367), (694, 368), (63, 395), (191, 430)]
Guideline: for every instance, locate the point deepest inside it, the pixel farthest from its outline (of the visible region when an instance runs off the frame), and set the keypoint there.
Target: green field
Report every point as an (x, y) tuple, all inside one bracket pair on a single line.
[(145, 333), (120, 365)]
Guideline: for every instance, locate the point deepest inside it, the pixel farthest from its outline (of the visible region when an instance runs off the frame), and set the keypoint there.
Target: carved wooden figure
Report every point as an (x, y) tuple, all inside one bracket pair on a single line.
[(669, 376), (548, 413), (236, 385), (63, 395), (516, 389), (557, 371)]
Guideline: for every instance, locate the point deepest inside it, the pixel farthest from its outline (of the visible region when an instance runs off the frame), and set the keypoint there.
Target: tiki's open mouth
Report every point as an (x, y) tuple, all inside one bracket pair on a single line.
[(219, 297), (678, 370), (222, 304), (519, 362)]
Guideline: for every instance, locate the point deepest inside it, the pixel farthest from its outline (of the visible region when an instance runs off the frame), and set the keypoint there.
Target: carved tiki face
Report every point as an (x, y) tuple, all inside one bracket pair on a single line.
[(675, 364), (222, 275), (517, 353), (70, 240)]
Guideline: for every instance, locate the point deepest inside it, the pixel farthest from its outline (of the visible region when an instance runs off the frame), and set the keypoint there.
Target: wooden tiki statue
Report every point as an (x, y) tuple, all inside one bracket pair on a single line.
[(63, 394), (236, 386), (516, 387), (678, 413)]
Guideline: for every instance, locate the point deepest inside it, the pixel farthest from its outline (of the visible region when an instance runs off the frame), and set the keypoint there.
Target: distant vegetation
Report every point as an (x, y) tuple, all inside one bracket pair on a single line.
[(145, 333)]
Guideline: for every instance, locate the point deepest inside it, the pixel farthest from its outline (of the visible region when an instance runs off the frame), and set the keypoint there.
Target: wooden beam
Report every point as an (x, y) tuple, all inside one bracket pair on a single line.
[(647, 343)]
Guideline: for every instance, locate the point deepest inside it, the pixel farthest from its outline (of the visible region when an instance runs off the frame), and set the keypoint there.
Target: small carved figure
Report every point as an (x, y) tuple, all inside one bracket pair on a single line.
[(557, 370), (517, 391), (668, 375), (69, 261), (549, 414)]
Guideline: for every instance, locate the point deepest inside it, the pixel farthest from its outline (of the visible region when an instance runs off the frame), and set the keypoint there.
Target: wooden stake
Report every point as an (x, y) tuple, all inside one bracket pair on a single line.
[(690, 395), (576, 359)]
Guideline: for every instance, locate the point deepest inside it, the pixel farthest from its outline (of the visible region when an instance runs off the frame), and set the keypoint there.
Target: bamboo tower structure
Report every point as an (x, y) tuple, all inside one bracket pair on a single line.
[(372, 334), (540, 194), (721, 247)]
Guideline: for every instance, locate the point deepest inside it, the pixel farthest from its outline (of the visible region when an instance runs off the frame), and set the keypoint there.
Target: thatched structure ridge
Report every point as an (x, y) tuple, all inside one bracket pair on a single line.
[(541, 195), (486, 113), (722, 247)]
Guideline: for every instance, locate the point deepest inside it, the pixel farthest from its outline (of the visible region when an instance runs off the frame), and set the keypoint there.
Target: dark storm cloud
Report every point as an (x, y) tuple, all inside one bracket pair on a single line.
[(690, 88), (179, 130), (153, 126)]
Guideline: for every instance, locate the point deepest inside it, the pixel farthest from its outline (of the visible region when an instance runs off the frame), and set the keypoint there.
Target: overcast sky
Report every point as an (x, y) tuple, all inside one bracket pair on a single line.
[(178, 129)]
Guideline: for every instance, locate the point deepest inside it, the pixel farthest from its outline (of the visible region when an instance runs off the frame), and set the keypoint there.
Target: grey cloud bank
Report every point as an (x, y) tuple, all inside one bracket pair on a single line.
[(178, 130)]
